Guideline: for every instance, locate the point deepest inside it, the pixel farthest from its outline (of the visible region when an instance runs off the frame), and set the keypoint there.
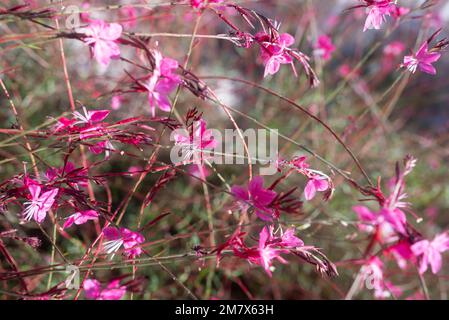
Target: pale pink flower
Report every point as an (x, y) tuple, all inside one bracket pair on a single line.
[(423, 60), (117, 238), (81, 217), (161, 82), (275, 53), (430, 252), (377, 12), (324, 47), (315, 183), (256, 196), (390, 52), (94, 290), (40, 204), (103, 37)]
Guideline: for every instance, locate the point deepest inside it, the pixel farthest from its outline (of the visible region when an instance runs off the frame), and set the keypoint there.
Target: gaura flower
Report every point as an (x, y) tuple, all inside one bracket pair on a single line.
[(113, 291), (315, 183), (385, 223), (324, 47), (275, 52), (256, 196), (117, 238), (377, 12), (270, 248), (198, 4), (40, 204), (102, 38), (81, 217), (161, 82), (423, 60), (430, 252), (195, 142)]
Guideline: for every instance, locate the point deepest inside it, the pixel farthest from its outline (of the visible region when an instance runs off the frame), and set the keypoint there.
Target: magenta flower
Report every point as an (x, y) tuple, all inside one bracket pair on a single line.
[(269, 247), (81, 217), (275, 52), (267, 251), (324, 47), (423, 60), (90, 117), (117, 238), (402, 253), (198, 4), (40, 204), (102, 37), (377, 12), (386, 222), (256, 196), (430, 252), (196, 142), (315, 183), (113, 290), (161, 82)]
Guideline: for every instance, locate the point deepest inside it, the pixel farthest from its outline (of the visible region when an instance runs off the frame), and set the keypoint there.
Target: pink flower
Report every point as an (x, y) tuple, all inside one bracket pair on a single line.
[(197, 4), (196, 142), (423, 60), (80, 218), (113, 290), (402, 252), (324, 47), (267, 251), (315, 183), (390, 52), (275, 52), (90, 117), (40, 204), (377, 11), (430, 252), (257, 197), (385, 222), (161, 82), (117, 238), (102, 37)]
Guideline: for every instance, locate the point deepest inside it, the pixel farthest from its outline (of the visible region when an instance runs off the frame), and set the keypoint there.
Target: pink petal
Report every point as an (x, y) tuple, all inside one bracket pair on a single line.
[(427, 68), (435, 261), (310, 191), (69, 222), (111, 233), (98, 115), (112, 32), (321, 184), (91, 288), (364, 213)]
